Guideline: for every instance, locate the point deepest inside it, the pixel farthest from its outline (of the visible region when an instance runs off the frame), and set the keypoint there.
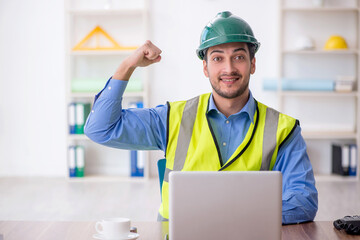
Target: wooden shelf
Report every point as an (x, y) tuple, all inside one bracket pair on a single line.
[(317, 52), (77, 137), (92, 12), (320, 9), (91, 95), (318, 94), (110, 178), (334, 178), (101, 53), (328, 135)]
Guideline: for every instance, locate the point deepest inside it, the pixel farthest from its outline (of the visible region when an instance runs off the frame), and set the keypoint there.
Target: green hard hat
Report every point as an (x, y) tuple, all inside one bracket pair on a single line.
[(225, 28)]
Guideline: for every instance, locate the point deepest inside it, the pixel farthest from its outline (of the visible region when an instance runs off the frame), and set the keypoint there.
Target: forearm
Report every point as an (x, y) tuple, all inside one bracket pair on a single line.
[(299, 207), (300, 197), (124, 71)]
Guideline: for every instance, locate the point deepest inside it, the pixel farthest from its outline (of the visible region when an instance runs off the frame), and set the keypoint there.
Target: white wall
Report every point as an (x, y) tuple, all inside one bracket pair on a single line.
[(177, 28), (32, 90)]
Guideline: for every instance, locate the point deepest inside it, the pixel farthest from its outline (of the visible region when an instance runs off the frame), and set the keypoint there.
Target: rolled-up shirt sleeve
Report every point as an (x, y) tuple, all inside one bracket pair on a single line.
[(134, 128), (299, 194)]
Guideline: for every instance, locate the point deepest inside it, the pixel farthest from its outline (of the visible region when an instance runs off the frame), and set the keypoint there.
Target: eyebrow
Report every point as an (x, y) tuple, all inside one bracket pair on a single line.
[(220, 51), (240, 49)]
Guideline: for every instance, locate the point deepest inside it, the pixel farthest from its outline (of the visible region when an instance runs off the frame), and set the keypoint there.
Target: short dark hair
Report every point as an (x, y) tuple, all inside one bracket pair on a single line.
[(251, 48)]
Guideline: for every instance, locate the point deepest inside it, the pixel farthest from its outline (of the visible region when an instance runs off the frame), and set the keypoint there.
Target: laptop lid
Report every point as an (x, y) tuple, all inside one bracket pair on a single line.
[(225, 205)]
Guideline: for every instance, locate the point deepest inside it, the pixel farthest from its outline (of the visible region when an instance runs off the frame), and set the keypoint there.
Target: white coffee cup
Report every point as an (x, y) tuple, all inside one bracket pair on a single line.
[(113, 227)]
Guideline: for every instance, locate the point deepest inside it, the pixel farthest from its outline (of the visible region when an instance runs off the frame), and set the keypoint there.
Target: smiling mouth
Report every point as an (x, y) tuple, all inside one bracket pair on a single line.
[(229, 79)]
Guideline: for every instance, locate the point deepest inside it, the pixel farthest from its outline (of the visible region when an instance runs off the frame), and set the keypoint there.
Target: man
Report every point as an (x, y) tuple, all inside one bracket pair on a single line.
[(227, 130)]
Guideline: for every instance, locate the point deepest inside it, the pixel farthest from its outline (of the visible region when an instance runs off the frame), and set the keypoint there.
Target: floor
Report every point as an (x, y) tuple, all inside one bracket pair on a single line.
[(61, 199)]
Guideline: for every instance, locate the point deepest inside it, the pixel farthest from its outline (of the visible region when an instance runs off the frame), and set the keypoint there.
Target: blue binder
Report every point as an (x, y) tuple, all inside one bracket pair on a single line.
[(72, 161)]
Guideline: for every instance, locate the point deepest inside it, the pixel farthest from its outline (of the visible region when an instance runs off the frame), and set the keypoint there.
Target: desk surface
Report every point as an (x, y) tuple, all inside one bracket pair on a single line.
[(14, 230)]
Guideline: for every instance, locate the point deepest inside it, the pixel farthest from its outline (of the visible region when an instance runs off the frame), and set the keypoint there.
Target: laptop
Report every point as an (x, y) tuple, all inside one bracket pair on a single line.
[(225, 205)]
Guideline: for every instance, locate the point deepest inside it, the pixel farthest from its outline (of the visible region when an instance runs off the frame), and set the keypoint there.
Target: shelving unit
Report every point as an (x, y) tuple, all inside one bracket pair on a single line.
[(325, 116), (127, 22)]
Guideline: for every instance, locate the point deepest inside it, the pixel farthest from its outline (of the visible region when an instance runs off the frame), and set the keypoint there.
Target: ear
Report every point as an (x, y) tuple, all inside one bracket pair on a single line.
[(205, 69), (253, 66)]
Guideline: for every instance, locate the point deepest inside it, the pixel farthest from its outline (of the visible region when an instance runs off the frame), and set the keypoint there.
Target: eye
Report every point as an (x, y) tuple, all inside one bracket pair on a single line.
[(216, 59), (240, 57)]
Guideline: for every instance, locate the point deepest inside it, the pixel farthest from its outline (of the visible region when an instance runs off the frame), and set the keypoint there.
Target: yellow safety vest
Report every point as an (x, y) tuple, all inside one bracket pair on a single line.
[(191, 144)]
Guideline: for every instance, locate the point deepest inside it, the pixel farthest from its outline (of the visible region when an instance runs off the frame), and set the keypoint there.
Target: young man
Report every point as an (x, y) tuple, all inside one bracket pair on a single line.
[(226, 130)]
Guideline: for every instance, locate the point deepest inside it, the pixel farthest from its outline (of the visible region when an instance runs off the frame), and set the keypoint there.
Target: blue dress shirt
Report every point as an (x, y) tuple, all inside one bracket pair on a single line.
[(145, 129)]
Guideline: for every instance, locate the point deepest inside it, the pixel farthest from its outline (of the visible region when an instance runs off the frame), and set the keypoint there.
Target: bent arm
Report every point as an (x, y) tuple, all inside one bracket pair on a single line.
[(138, 129), (299, 194), (111, 125)]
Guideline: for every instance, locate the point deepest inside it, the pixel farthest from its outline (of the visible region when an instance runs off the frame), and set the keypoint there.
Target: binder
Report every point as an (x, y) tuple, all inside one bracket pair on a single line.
[(80, 161), (82, 111), (140, 164), (72, 161), (139, 104), (71, 114), (137, 163), (345, 161), (133, 163), (353, 160)]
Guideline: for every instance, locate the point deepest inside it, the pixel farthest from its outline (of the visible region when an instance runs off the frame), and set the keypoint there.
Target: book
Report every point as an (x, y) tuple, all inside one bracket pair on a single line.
[(345, 83)]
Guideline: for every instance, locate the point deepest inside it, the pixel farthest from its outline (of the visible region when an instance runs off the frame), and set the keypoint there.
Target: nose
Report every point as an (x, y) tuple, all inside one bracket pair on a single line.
[(229, 66)]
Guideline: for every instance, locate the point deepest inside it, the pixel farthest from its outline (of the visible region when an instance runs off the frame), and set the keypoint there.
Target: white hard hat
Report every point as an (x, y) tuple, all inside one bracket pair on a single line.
[(304, 43)]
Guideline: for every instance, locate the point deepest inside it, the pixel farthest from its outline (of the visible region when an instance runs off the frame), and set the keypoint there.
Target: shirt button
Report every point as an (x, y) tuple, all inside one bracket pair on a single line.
[(224, 144), (109, 88), (227, 121)]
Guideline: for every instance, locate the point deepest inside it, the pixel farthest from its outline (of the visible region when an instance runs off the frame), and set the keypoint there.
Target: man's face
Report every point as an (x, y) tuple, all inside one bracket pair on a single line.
[(229, 67)]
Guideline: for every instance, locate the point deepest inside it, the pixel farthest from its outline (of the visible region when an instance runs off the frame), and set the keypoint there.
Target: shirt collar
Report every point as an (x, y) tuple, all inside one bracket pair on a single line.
[(249, 108)]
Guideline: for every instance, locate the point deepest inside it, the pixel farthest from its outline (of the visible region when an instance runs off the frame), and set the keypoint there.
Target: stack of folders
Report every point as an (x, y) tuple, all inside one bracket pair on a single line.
[(78, 113), (344, 159), (76, 161), (137, 158)]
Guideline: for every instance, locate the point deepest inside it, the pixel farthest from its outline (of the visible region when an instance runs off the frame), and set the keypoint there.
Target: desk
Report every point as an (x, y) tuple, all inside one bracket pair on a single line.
[(18, 230)]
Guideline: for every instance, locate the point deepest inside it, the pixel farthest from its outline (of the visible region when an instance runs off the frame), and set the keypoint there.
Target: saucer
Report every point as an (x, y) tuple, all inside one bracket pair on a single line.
[(131, 236)]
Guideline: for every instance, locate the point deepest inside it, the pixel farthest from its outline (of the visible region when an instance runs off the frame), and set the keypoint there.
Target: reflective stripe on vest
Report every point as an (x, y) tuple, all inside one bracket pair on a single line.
[(269, 140), (192, 145)]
